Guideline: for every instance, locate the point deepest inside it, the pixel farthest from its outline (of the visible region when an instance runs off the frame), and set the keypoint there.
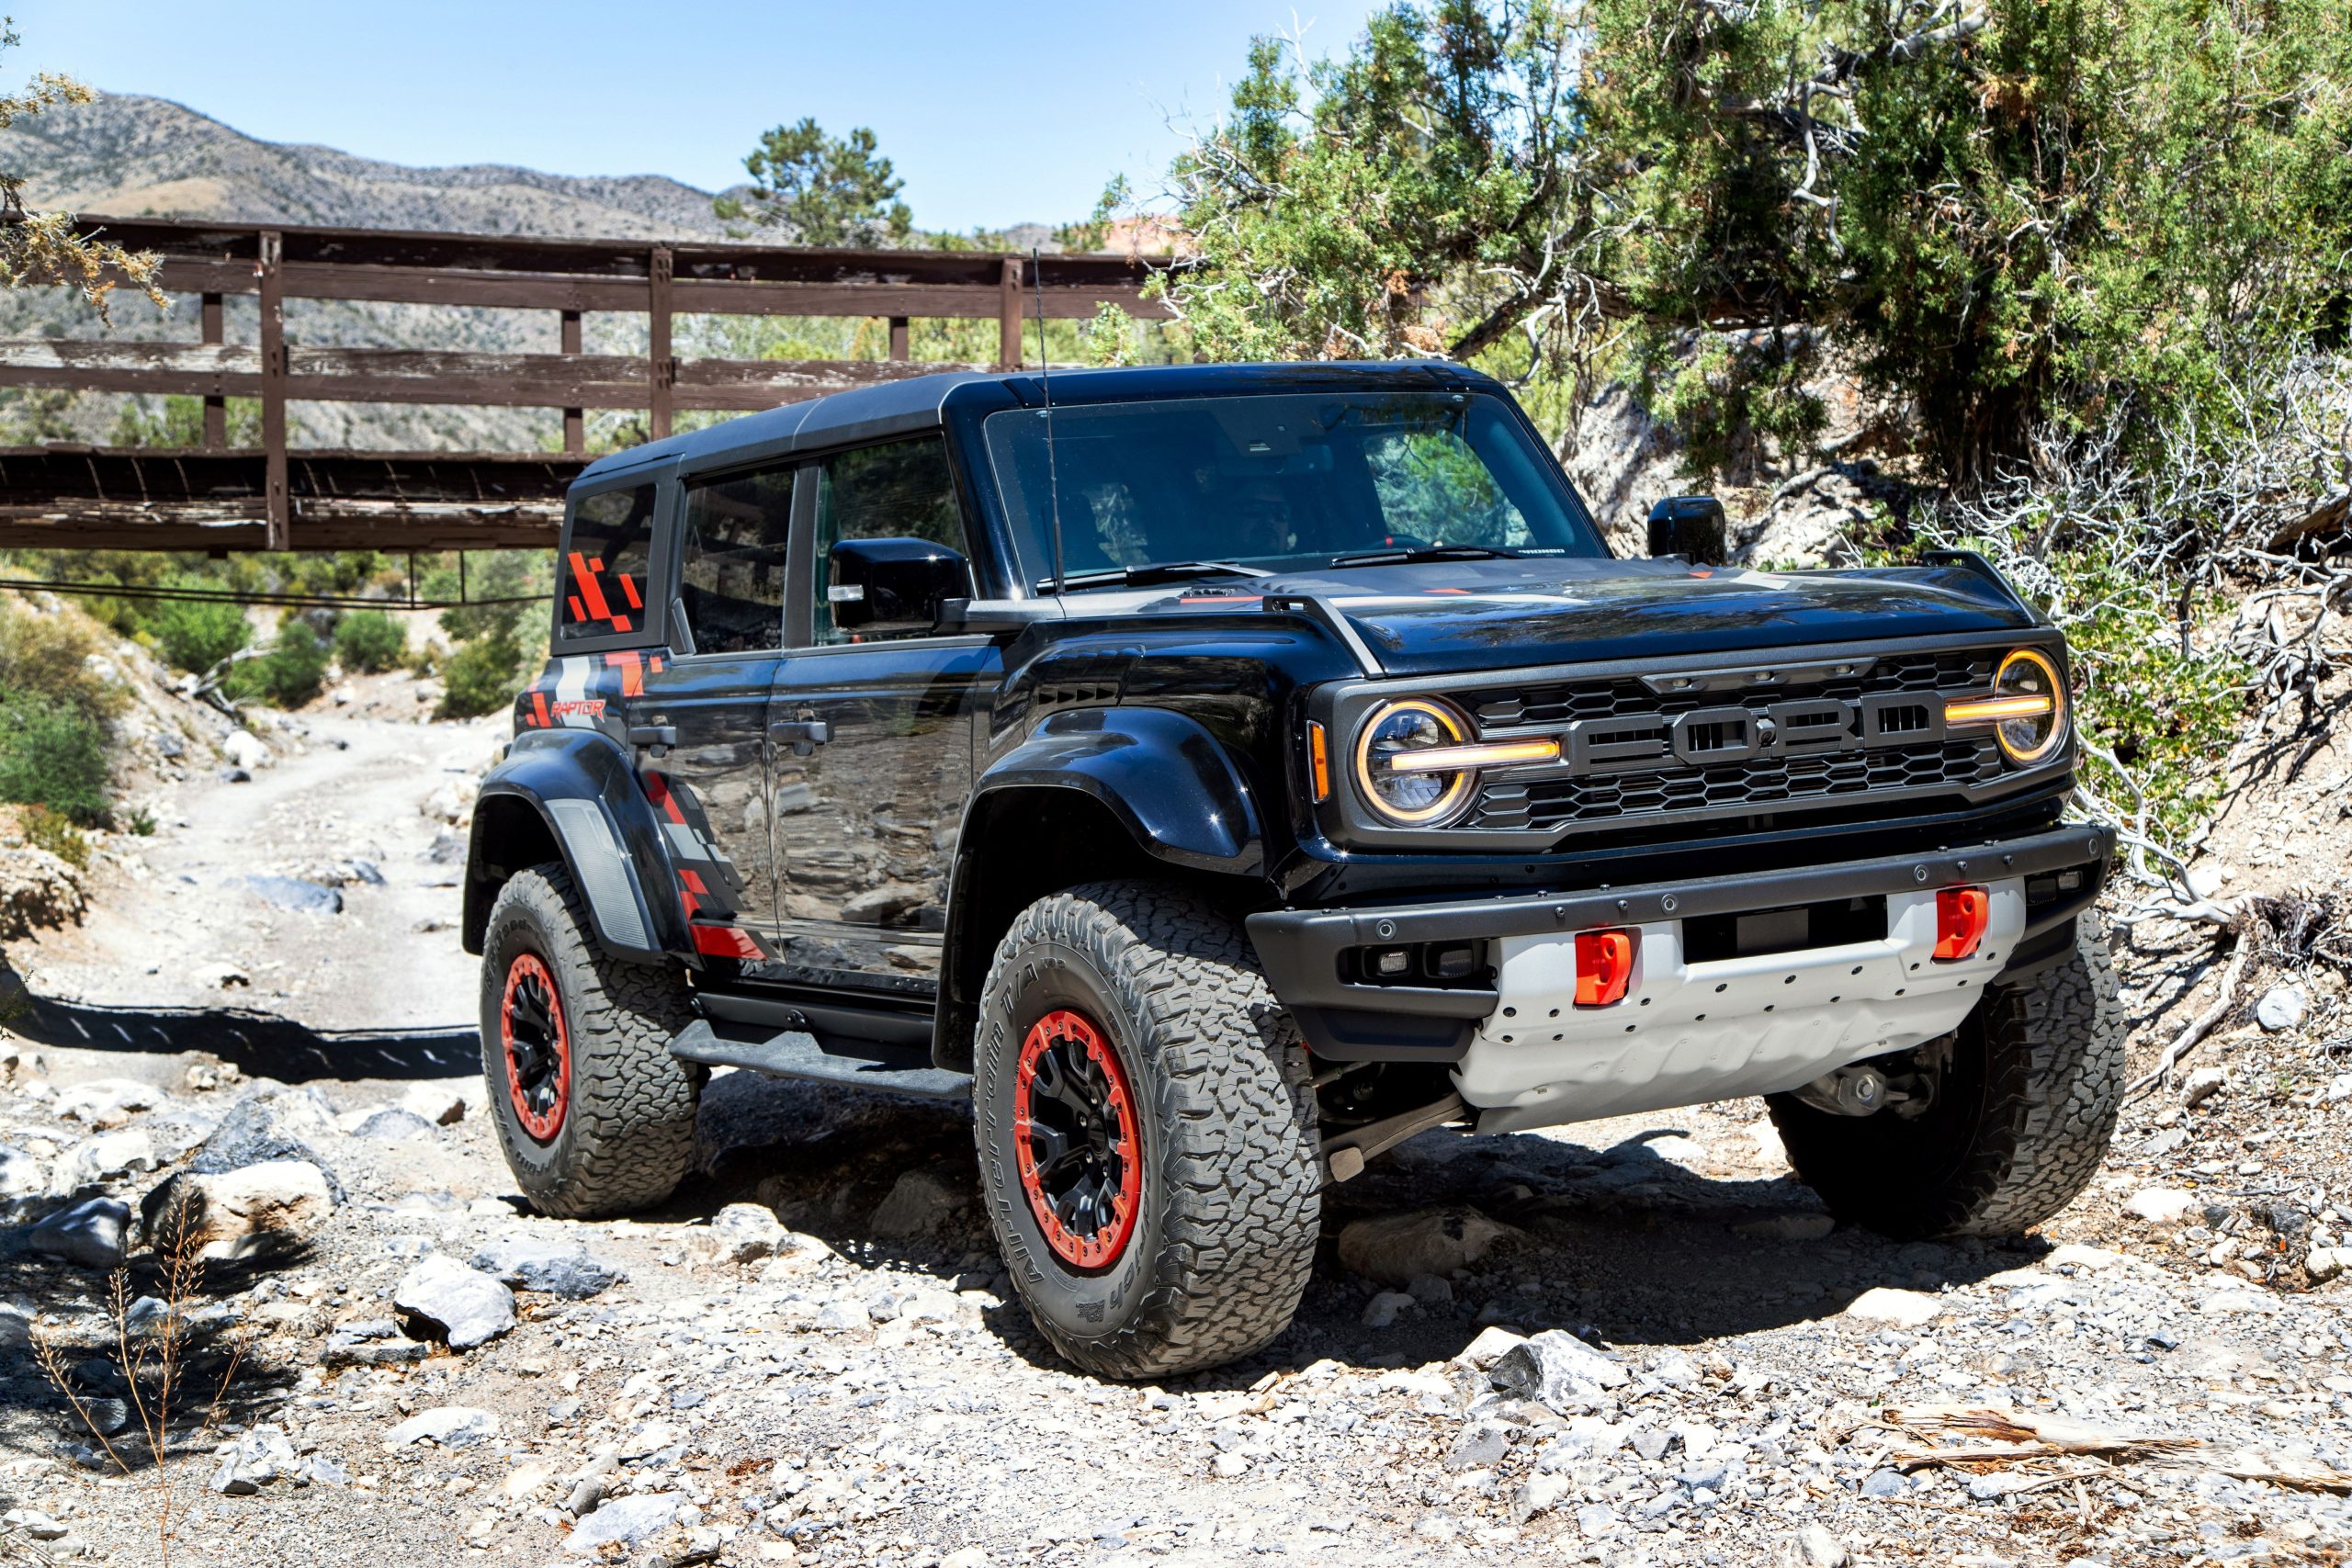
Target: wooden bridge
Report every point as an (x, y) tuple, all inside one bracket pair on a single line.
[(216, 498)]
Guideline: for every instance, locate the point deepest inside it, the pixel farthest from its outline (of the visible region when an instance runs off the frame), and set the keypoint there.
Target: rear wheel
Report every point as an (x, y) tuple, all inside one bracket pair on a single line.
[(594, 1115), (1146, 1132), (2022, 1104)]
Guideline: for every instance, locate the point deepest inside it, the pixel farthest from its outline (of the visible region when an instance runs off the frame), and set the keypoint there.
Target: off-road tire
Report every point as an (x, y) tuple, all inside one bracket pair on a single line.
[(1224, 1238), (627, 1137), (2019, 1122)]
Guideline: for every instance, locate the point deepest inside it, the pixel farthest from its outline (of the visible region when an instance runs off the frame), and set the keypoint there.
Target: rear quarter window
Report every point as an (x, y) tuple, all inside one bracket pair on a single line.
[(606, 565)]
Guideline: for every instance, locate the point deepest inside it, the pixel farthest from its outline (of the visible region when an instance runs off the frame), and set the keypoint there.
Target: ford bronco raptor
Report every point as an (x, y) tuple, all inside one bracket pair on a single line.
[(1221, 774)]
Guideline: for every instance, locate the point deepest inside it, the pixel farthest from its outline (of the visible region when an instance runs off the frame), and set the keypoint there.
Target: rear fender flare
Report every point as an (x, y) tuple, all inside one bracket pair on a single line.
[(583, 790)]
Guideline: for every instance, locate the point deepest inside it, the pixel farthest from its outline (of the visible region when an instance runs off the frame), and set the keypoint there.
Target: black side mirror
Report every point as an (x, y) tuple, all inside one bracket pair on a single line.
[(892, 587), (1691, 526)]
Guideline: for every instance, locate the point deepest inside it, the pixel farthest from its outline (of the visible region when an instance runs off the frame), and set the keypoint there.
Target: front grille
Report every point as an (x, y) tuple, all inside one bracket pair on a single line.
[(1558, 805), (1630, 711)]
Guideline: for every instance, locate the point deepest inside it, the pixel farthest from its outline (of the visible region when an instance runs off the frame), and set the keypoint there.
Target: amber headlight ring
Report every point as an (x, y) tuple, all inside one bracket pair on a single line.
[(2027, 710), (1416, 760)]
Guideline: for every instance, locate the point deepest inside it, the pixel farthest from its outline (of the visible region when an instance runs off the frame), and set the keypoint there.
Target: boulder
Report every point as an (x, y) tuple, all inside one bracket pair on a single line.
[(105, 1103), (554, 1267), (106, 1157), (94, 1234), (742, 1231), (1397, 1248), (442, 1299), (450, 1426), (270, 1210), (1557, 1371)]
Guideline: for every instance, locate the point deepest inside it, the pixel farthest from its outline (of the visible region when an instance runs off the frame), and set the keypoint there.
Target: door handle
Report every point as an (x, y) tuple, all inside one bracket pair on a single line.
[(804, 734), (661, 735)]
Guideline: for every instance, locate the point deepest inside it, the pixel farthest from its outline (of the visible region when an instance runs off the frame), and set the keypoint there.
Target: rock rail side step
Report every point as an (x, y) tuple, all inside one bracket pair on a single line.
[(795, 1053)]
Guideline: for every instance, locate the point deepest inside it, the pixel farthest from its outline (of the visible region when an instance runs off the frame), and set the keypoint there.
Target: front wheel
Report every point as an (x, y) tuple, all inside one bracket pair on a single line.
[(2024, 1100), (594, 1114), (1146, 1132)]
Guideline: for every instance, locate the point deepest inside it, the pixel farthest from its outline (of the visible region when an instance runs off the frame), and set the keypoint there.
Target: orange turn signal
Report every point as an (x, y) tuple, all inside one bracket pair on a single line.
[(1319, 757), (1604, 966), (1963, 916)]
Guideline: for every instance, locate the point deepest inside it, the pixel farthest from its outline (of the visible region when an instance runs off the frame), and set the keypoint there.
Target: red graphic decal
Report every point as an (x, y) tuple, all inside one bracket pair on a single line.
[(657, 789), (629, 590), (578, 614), (592, 707), (540, 708)]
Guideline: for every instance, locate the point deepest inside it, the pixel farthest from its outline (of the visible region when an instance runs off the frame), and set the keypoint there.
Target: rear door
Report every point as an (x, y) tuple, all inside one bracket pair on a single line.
[(866, 817), (697, 715)]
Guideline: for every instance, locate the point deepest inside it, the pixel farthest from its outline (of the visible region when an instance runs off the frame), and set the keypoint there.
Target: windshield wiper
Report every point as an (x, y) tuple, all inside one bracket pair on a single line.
[(1154, 571), (1426, 552)]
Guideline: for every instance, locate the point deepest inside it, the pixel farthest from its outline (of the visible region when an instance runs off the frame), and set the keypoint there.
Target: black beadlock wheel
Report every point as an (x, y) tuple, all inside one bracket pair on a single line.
[(595, 1116), (2021, 1119), (1146, 1132)]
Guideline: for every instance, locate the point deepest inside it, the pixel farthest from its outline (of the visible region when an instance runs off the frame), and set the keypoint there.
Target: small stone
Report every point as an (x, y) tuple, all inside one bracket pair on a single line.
[(1788, 1227), (446, 1300), (34, 1523), (2326, 1263), (1488, 1348), (253, 1460), (2161, 1205), (741, 1232), (105, 1103), (624, 1521), (393, 1124), (1811, 1547), (375, 1343), (1885, 1483), (1382, 1310), (243, 749), (2339, 1088), (21, 1174), (1398, 1249), (2281, 1007), (965, 1557), (2203, 1085), (1429, 1290), (293, 894), (1539, 1494), (1481, 1446), (92, 1234), (1905, 1309), (556, 1269), (841, 1317), (1595, 1520), (1557, 1371), (450, 1426), (439, 1103), (106, 1157)]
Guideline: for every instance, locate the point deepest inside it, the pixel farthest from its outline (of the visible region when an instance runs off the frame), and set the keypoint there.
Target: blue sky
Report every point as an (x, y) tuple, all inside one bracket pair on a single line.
[(992, 114)]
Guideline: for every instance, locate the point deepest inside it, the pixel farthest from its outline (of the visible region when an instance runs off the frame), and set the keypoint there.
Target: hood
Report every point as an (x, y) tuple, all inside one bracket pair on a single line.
[(1448, 618)]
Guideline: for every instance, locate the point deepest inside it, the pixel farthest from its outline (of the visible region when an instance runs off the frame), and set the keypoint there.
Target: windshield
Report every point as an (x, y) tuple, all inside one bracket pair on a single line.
[(1278, 482)]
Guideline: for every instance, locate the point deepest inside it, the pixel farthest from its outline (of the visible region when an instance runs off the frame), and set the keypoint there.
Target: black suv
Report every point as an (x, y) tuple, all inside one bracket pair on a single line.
[(1222, 774)]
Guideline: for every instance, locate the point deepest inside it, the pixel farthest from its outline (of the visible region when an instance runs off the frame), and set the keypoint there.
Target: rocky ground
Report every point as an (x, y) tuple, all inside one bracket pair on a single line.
[(1630, 1342)]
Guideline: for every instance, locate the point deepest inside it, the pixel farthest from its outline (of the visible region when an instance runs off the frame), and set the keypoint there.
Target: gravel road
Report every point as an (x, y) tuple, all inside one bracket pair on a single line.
[(1629, 1342)]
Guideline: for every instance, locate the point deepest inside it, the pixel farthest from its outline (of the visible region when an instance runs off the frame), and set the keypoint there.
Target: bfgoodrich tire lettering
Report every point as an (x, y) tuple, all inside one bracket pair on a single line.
[(626, 1132), (2020, 1121), (1224, 1239)]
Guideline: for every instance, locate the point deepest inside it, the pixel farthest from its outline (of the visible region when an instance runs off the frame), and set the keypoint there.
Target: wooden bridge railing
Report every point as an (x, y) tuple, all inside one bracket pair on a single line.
[(214, 499)]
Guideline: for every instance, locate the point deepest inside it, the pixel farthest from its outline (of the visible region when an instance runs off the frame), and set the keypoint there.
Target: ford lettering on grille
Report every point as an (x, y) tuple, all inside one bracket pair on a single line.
[(1801, 726)]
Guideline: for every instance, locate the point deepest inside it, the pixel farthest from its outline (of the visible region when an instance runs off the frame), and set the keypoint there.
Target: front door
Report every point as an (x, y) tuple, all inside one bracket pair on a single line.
[(699, 717), (874, 744)]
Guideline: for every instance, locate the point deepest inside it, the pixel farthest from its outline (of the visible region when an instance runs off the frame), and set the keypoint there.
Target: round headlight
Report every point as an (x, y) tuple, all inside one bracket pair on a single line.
[(2028, 684), (1393, 785)]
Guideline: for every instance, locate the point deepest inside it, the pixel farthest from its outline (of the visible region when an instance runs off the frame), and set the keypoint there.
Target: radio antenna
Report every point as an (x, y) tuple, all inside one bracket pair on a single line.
[(1044, 375)]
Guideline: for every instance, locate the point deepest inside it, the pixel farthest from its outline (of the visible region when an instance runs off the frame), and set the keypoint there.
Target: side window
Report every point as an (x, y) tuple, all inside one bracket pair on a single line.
[(603, 570), (902, 490), (730, 571)]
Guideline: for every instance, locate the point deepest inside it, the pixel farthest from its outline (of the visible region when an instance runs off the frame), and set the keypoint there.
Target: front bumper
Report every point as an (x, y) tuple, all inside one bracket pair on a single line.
[(1345, 1020)]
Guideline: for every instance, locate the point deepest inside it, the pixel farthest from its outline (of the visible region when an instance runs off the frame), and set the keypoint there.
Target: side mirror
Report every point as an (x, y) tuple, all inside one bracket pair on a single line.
[(1691, 526), (892, 587)]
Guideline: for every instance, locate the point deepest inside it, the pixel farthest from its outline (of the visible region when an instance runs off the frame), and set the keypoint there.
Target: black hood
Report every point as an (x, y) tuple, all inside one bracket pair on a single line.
[(1447, 617)]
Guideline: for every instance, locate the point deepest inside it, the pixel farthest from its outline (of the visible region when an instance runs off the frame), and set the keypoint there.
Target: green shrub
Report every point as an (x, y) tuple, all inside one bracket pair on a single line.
[(369, 641), (195, 635), (289, 674), (45, 830), (482, 677), (53, 754)]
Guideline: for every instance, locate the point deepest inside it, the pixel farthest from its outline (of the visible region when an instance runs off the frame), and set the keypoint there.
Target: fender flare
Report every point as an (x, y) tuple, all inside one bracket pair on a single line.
[(583, 789), (1172, 783)]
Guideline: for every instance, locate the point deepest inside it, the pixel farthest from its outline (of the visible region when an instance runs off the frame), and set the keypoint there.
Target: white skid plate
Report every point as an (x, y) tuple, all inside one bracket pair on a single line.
[(1688, 1033)]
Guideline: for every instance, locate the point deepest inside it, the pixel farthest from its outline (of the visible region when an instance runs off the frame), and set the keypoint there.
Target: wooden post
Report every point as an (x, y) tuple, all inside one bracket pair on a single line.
[(1007, 338), (216, 410), (278, 504), (664, 368), (898, 338), (575, 421)]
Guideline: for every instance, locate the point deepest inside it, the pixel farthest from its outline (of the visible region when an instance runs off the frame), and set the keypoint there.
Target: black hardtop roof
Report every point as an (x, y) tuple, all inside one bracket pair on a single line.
[(918, 402)]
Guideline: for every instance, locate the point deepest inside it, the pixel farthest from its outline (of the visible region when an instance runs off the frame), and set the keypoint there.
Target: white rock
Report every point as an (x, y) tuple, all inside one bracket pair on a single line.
[(2281, 1007), (1540, 1495), (2161, 1205), (2324, 1263), (1811, 1547), (2205, 880), (967, 1557), (448, 1300), (34, 1523), (1905, 1309), (245, 749), (1382, 1310), (1395, 1248), (260, 1210), (105, 1103), (1557, 1371), (624, 1521), (441, 1104), (1488, 1348), (451, 1425), (22, 1175), (106, 1157), (2203, 1085), (2094, 1258), (217, 977), (742, 1231), (2339, 1088)]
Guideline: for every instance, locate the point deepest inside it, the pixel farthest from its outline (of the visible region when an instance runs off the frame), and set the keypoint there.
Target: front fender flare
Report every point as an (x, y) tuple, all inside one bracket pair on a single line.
[(1171, 783), (584, 791)]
